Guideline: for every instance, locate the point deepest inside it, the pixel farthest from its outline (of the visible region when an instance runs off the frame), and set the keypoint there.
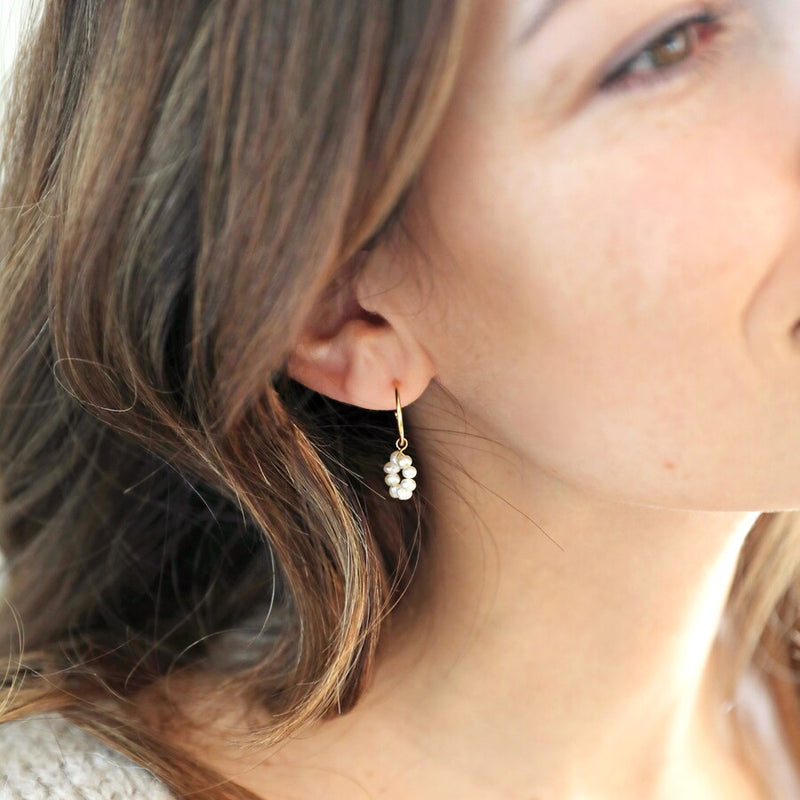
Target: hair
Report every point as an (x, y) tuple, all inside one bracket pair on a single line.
[(180, 180)]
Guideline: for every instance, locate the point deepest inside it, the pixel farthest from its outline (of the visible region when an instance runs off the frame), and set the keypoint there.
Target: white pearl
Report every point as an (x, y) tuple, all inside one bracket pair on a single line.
[(394, 491), (392, 479), (408, 483), (394, 456), (410, 472), (403, 494), (391, 468), (404, 461)]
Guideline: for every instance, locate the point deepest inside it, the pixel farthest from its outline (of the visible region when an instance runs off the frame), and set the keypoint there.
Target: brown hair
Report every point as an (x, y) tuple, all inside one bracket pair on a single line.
[(181, 180)]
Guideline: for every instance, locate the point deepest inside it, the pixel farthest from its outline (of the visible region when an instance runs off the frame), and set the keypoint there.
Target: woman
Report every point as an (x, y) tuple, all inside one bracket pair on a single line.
[(546, 256)]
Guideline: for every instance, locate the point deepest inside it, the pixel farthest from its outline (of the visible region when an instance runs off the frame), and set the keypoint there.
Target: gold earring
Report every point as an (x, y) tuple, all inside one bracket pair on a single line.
[(400, 463)]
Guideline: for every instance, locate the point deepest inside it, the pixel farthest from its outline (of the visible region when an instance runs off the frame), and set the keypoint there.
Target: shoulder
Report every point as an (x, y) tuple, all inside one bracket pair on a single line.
[(46, 757)]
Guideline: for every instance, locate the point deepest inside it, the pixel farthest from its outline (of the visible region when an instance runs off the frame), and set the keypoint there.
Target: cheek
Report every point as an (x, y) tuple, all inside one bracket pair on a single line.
[(593, 311), (608, 256)]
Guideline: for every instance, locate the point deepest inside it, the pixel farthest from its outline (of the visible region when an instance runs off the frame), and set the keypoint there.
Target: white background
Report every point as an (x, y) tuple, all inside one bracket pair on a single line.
[(12, 14)]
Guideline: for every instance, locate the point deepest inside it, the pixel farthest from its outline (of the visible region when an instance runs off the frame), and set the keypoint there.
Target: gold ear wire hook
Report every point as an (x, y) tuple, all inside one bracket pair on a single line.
[(401, 443)]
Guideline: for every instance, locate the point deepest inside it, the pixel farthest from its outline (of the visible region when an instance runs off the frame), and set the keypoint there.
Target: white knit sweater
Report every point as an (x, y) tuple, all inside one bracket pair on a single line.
[(48, 758)]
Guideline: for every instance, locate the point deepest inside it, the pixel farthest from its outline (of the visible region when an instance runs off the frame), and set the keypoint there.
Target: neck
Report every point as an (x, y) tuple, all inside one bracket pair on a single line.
[(592, 651), (567, 640), (552, 645)]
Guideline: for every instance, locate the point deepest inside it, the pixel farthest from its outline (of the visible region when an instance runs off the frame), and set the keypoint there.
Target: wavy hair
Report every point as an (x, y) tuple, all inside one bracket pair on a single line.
[(181, 178)]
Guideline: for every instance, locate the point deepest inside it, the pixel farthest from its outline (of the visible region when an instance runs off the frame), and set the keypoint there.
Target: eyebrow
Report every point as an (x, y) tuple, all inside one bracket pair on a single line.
[(541, 16)]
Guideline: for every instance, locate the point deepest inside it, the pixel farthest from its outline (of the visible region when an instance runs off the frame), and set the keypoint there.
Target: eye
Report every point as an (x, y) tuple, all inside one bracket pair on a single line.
[(666, 55)]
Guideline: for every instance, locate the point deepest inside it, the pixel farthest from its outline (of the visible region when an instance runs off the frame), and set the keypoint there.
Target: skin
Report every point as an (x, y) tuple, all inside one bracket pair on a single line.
[(598, 328)]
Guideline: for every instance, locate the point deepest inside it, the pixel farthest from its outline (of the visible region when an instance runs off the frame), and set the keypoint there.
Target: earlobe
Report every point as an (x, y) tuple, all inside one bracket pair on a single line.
[(347, 364), (355, 356)]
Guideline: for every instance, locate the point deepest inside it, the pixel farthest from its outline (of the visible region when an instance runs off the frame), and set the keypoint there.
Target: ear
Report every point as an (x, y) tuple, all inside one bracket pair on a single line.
[(355, 347)]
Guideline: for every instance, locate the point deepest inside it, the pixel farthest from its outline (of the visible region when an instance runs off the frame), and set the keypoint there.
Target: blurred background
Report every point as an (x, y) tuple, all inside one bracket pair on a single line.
[(12, 14)]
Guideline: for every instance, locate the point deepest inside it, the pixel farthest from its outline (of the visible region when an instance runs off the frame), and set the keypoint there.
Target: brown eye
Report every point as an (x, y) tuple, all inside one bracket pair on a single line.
[(670, 51), (674, 47)]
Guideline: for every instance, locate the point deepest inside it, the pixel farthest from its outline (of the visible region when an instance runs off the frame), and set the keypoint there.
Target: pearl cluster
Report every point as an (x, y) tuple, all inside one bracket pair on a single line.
[(400, 488)]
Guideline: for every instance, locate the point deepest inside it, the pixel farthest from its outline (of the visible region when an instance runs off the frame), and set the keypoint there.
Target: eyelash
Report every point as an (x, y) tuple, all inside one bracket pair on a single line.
[(623, 77)]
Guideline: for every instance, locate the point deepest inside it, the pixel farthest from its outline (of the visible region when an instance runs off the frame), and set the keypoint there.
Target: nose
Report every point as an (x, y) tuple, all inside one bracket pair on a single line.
[(770, 78), (782, 43)]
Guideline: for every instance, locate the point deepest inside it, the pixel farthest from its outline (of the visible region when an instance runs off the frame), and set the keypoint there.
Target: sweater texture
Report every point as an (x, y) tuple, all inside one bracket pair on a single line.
[(46, 757)]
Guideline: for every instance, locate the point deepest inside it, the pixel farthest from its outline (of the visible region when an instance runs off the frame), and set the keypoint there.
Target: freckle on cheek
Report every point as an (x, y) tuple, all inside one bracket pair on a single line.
[(669, 465)]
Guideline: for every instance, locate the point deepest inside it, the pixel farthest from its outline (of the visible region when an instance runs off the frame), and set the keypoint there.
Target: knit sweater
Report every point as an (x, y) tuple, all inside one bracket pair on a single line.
[(46, 757)]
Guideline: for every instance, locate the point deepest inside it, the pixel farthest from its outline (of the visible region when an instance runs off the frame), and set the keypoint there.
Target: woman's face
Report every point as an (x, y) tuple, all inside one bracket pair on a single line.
[(615, 271)]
